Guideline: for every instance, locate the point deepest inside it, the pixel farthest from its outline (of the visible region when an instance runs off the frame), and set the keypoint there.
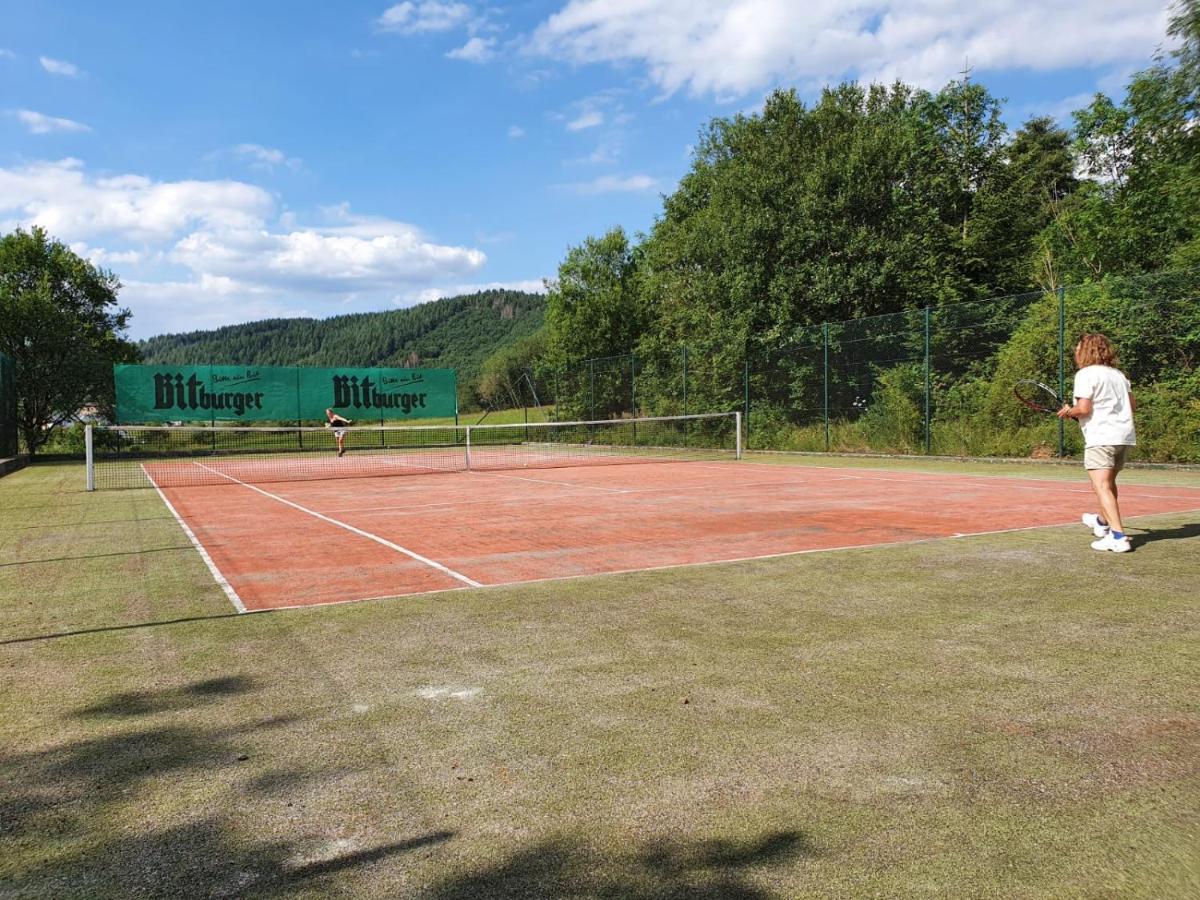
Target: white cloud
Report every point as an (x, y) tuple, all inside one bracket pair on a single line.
[(424, 17), (7, 54), (39, 123), (108, 258), (162, 307), (614, 184), (1058, 110), (265, 158), (59, 67), (476, 50), (589, 119), (227, 239), (516, 131), (731, 47), (320, 261), (62, 198)]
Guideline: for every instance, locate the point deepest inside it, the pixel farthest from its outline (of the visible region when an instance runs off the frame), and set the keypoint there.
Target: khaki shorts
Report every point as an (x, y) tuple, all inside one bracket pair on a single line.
[(1110, 457)]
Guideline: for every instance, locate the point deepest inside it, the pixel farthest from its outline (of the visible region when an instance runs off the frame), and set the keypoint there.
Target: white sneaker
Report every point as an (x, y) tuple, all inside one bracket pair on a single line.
[(1116, 545), (1092, 521)]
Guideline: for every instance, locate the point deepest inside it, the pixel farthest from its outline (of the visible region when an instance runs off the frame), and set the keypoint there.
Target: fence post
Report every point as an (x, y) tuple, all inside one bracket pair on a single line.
[(746, 395), (633, 385), (685, 381), (1062, 372), (591, 390), (90, 460), (825, 383), (928, 441)]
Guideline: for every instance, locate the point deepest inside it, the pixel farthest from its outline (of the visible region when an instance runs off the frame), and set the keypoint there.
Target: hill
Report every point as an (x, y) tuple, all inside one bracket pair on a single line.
[(452, 333)]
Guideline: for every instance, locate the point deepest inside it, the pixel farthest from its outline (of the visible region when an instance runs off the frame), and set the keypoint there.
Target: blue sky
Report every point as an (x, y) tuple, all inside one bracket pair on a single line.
[(233, 161)]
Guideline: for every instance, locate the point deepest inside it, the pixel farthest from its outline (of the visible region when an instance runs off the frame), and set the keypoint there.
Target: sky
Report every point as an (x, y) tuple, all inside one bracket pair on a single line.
[(235, 161)]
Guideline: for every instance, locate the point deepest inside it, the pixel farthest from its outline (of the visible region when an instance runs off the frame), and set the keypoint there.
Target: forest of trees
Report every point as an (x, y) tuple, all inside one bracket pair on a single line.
[(458, 333), (865, 271), (881, 200)]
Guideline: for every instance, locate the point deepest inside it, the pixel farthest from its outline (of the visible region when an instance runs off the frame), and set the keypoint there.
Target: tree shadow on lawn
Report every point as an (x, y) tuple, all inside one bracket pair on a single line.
[(696, 870), (67, 829), (140, 703), (79, 820)]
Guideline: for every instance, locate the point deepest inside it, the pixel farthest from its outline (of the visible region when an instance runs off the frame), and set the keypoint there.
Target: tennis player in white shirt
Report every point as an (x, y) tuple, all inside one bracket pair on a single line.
[(1104, 406)]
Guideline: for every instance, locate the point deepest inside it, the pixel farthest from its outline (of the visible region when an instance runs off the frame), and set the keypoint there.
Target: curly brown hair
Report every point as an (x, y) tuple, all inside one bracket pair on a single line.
[(1095, 350)]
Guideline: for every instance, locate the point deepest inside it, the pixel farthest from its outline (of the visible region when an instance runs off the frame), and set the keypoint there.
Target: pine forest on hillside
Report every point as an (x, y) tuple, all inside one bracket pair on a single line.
[(458, 333)]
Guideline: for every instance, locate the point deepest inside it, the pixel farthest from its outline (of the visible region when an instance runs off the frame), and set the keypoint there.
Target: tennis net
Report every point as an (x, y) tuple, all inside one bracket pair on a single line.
[(130, 456)]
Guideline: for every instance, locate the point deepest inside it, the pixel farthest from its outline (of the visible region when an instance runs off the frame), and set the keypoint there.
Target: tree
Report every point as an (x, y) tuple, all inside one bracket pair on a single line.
[(1140, 209), (594, 307), (60, 323), (503, 379)]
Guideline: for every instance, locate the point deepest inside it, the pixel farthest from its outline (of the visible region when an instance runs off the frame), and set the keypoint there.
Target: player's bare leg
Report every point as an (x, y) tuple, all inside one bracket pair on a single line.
[(1104, 483)]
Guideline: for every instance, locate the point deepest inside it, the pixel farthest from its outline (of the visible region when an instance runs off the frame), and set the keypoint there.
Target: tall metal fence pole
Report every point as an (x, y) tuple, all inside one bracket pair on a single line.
[(928, 437), (746, 395), (825, 383), (1062, 361), (591, 390), (685, 381), (633, 385)]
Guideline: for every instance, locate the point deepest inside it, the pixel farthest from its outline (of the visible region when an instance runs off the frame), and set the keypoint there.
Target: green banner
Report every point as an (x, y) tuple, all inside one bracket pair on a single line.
[(280, 394)]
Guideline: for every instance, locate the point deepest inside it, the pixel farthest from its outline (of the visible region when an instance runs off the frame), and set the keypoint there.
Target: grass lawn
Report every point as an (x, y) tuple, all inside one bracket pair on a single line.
[(1009, 715)]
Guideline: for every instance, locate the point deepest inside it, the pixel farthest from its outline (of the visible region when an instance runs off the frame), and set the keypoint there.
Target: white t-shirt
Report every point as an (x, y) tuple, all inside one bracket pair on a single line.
[(1111, 421)]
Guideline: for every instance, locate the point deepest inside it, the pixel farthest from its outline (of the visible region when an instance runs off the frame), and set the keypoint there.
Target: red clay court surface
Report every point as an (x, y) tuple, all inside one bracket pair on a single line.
[(313, 542)]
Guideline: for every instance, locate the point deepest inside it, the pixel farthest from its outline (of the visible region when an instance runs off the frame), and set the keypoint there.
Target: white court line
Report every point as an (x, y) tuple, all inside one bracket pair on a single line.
[(715, 562), (212, 566), (373, 537), (997, 478)]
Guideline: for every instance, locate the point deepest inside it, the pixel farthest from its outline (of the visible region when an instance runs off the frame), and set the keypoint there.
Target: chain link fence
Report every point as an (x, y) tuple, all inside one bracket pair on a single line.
[(927, 381)]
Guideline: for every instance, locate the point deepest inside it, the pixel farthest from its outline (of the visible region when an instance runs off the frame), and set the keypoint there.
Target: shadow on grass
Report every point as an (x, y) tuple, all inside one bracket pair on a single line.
[(54, 559), (87, 522), (1182, 532), (140, 703), (201, 859), (166, 808), (108, 815), (55, 635), (697, 870)]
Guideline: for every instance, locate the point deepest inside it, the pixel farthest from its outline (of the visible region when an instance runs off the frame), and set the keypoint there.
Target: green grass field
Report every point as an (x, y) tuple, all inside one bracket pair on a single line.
[(1000, 716)]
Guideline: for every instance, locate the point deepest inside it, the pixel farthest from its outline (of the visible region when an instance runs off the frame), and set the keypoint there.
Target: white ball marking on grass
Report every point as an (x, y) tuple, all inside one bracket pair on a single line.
[(446, 692)]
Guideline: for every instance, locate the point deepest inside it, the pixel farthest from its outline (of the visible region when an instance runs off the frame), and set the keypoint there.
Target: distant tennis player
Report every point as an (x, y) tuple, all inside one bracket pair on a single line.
[(339, 425), (1104, 406)]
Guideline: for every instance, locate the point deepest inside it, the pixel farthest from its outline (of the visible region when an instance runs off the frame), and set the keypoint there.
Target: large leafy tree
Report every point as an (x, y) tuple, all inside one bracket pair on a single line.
[(60, 322), (1139, 210), (594, 308)]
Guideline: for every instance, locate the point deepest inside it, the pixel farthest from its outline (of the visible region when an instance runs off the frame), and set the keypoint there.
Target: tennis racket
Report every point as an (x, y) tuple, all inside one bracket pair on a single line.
[(1038, 396)]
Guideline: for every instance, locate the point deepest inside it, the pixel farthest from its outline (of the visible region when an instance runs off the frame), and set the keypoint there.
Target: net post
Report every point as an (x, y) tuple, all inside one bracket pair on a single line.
[(468, 448), (737, 427), (89, 456)]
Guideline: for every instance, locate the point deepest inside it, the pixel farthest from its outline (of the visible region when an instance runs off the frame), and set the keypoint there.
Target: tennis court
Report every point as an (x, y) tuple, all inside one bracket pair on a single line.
[(329, 540)]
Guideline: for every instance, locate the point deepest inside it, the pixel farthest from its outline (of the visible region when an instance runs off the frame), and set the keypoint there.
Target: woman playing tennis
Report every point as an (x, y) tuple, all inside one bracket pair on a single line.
[(338, 424), (1104, 406)]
